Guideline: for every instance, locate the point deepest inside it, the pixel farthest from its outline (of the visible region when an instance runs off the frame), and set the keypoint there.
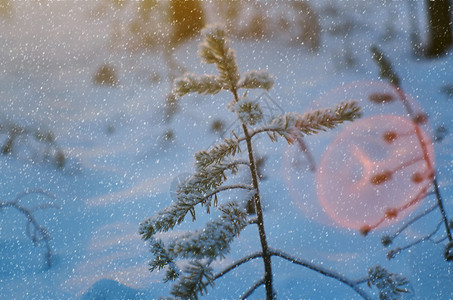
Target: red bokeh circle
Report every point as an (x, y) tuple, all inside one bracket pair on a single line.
[(375, 172)]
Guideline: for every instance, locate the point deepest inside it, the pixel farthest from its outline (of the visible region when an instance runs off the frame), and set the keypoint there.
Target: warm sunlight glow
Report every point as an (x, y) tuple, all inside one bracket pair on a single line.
[(375, 172)]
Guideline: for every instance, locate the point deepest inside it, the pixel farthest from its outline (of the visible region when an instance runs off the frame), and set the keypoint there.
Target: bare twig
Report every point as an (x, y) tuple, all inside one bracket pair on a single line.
[(33, 191), (252, 288), (237, 264), (354, 284), (389, 239), (308, 155), (442, 209), (440, 240), (392, 253), (322, 270)]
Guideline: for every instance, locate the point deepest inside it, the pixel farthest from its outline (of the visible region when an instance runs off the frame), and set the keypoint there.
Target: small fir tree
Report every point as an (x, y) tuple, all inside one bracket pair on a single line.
[(213, 166)]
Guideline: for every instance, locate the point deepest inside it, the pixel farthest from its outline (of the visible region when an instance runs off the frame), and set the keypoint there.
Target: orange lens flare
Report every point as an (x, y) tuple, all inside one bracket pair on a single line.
[(375, 172), (365, 180)]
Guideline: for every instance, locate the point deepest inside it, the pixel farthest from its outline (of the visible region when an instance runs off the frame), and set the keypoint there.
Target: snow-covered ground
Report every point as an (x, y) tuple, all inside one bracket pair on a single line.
[(120, 168)]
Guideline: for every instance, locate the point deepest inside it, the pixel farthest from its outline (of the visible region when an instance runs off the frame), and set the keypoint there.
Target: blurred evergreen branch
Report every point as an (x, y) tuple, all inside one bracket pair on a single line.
[(386, 72), (36, 232)]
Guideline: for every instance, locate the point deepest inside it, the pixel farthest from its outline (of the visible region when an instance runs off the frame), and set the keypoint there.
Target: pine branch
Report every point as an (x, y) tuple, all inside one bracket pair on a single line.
[(196, 279), (210, 242), (215, 45), (390, 285), (206, 179), (256, 80), (385, 67), (248, 111), (166, 219), (190, 83), (227, 188), (162, 258), (198, 189), (216, 154), (215, 50), (214, 239), (292, 125)]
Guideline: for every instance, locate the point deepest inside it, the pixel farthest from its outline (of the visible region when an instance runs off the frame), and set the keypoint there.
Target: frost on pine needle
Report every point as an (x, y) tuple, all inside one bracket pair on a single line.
[(215, 50), (291, 125), (210, 242), (248, 111), (214, 239), (257, 80), (190, 83), (200, 188), (217, 153), (214, 166), (196, 279)]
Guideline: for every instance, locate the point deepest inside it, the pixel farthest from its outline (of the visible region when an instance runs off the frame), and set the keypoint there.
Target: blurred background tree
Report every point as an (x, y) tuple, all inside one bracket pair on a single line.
[(439, 27), (186, 18), (5, 8)]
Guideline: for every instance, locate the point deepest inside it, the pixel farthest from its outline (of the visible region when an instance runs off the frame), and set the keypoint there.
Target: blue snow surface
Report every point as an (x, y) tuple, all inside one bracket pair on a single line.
[(123, 158)]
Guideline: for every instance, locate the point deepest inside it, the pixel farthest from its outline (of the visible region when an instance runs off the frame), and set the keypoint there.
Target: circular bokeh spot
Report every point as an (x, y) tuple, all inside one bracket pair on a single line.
[(376, 99), (375, 172)]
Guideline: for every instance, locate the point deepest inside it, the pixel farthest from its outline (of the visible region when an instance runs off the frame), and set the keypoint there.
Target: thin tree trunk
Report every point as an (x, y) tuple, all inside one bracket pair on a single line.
[(259, 214), (440, 203), (268, 280)]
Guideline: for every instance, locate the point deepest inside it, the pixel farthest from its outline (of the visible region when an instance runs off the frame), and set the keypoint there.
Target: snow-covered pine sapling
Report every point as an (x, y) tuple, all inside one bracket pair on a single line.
[(213, 166)]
